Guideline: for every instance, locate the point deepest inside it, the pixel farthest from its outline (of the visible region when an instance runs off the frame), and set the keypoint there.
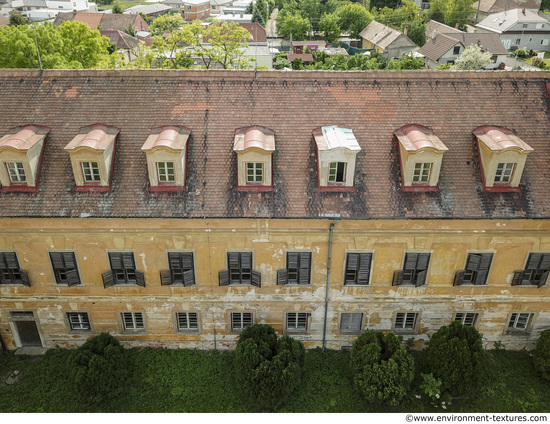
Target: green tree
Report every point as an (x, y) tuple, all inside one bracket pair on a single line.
[(131, 30), (545, 5), (117, 8), (329, 26), (16, 18), (379, 4), (281, 62), (99, 370), (383, 370), (290, 24), (455, 355), (406, 62), (166, 24), (416, 32), (457, 12), (353, 18), (541, 355), (472, 58), (365, 62), (312, 10), (258, 16), (268, 369)]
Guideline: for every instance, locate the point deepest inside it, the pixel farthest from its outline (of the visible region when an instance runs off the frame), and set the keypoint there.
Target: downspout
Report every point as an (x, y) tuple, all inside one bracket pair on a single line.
[(328, 283)]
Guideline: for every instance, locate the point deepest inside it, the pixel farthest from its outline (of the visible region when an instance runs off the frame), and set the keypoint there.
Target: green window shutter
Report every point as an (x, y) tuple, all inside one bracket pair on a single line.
[(165, 277)]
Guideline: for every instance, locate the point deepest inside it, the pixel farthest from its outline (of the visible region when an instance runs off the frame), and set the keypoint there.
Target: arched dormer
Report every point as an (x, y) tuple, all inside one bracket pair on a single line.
[(337, 149), (92, 154), (254, 147), (502, 157), (166, 151), (420, 156), (21, 153)]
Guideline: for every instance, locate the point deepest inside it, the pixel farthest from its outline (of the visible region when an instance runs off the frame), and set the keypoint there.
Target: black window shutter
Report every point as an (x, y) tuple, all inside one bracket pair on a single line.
[(188, 278), (292, 260), (459, 278), (423, 260), (282, 276), (543, 279), (305, 266), (140, 279), (116, 260), (3, 263), (57, 260), (224, 277), (187, 261), (483, 270), (69, 259), (410, 260), (518, 278), (174, 260), (533, 261), (246, 260), (11, 260), (234, 261), (165, 277), (421, 278), (474, 260), (108, 279), (353, 261), (364, 268), (25, 278), (128, 261), (256, 279), (397, 278), (72, 278), (545, 261)]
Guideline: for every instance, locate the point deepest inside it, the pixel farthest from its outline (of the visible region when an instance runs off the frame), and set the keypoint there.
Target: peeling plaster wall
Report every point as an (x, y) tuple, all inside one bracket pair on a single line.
[(209, 239)]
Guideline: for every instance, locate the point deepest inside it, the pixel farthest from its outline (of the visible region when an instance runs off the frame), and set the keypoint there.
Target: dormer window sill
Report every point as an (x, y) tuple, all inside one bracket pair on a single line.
[(20, 188), (337, 189), (420, 188), (502, 189), (92, 188), (254, 188), (166, 188)]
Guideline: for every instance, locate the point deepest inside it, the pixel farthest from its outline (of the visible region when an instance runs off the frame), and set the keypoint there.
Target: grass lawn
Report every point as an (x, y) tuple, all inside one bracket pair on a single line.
[(125, 4), (197, 381)]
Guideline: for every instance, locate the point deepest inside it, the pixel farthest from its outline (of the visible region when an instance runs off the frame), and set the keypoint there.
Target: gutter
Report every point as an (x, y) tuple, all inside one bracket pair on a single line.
[(324, 345)]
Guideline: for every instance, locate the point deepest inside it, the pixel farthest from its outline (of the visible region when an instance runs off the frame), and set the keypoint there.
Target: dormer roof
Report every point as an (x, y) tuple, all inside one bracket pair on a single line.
[(24, 138), (97, 137), (415, 137), (499, 138), (171, 137), (334, 137), (256, 136)]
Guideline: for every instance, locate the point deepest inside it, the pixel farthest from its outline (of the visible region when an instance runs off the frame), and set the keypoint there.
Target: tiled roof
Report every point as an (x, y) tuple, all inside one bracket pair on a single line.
[(97, 137), (439, 28), (495, 6), (436, 47), (24, 138), (381, 35), (4, 20), (121, 39), (497, 138), (115, 21), (256, 30), (91, 19), (306, 57), (172, 137), (415, 137), (255, 136), (213, 104), (503, 21)]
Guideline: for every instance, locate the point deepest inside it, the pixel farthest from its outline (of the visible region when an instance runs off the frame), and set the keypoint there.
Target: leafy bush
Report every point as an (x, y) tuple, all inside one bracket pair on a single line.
[(541, 354), (539, 62), (99, 370), (268, 369), (455, 355), (521, 53), (383, 369), (282, 62)]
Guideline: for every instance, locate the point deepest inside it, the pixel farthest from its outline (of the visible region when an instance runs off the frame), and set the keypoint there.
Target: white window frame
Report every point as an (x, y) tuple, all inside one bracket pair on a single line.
[(297, 322), (16, 171), (504, 172), (191, 321), (90, 172), (79, 321), (467, 319), (333, 172), (165, 174), (347, 322), (419, 172), (130, 323), (257, 174), (402, 320), (520, 322), (237, 329)]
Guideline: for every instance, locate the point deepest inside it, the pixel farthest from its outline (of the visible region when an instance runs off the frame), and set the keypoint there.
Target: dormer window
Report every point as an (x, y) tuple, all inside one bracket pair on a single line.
[(166, 151), (92, 154), (337, 150), (502, 157), (254, 147), (421, 155), (21, 154)]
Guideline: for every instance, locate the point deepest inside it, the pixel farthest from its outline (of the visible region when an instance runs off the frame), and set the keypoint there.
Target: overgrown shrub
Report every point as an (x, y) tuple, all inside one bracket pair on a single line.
[(521, 53), (541, 354), (383, 370), (455, 355), (538, 62), (268, 369), (99, 370)]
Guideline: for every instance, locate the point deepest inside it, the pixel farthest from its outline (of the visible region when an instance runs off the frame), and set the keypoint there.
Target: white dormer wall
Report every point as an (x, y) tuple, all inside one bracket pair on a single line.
[(30, 160), (490, 160), (339, 154)]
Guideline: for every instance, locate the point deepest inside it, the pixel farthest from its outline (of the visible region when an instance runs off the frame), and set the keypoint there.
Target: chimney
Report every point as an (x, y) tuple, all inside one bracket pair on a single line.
[(388, 24), (434, 33), (523, 11), (456, 25), (406, 30)]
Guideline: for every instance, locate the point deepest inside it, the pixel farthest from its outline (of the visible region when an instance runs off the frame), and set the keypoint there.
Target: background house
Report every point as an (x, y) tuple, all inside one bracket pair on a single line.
[(119, 22), (125, 44), (485, 8), (150, 10), (385, 40), (190, 9)]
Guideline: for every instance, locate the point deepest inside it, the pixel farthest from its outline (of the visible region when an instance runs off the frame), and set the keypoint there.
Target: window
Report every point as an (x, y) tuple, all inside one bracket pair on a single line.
[(520, 322), (477, 269), (405, 322), (296, 322), (189, 7), (123, 270), (337, 172), (240, 270), (64, 268), (298, 269), (240, 320), (358, 268), (187, 321), (166, 172), (525, 25), (254, 172), (91, 172), (468, 319), (132, 322), (518, 41), (79, 321), (456, 50), (350, 322), (536, 271), (421, 173), (181, 269), (414, 271), (16, 172), (10, 273), (539, 26), (504, 172)]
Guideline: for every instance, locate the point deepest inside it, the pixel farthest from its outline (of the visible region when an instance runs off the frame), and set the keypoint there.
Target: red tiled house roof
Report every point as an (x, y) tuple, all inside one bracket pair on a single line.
[(214, 104)]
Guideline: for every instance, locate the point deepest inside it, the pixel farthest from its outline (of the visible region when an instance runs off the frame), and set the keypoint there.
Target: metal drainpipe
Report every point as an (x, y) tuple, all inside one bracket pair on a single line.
[(328, 283)]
